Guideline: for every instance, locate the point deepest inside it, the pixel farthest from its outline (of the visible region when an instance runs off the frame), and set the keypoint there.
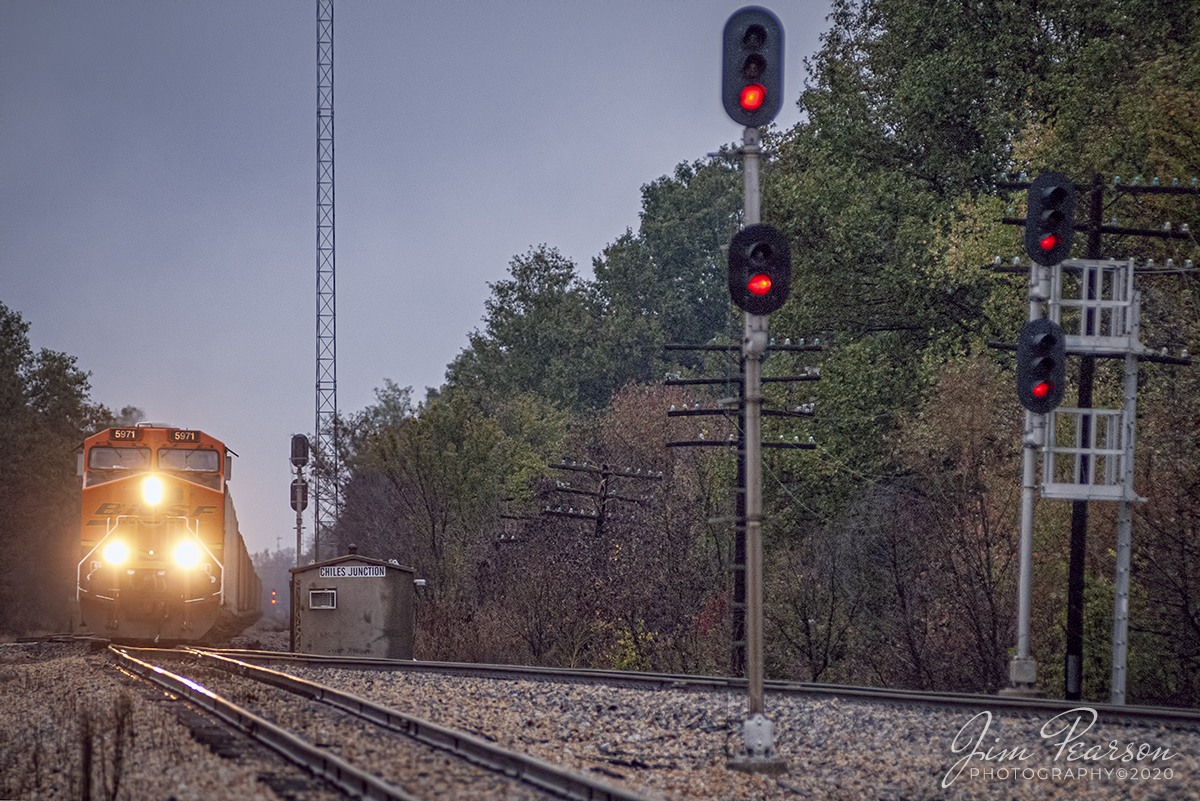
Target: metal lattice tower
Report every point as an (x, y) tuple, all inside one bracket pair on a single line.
[(325, 472)]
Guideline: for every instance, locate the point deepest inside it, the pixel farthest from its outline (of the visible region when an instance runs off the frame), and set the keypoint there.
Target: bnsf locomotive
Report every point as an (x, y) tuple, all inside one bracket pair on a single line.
[(161, 557)]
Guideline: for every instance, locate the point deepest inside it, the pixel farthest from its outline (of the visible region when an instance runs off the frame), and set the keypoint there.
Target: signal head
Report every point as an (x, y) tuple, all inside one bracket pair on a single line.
[(1050, 219), (760, 269), (1041, 366), (299, 491), (752, 67), (299, 450)]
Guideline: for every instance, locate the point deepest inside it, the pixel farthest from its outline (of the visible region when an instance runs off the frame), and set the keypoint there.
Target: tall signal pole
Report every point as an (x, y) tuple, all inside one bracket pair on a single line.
[(325, 472), (759, 281)]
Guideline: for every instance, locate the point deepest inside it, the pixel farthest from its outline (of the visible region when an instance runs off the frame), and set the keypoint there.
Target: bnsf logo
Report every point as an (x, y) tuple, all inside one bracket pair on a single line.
[(106, 510)]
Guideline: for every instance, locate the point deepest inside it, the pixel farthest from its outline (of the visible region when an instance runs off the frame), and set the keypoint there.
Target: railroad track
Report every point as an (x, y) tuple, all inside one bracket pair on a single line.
[(362, 748), (1174, 718)]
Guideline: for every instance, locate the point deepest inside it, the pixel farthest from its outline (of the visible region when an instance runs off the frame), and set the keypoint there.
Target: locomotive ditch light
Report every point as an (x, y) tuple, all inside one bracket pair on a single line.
[(152, 490), (115, 552), (187, 554)]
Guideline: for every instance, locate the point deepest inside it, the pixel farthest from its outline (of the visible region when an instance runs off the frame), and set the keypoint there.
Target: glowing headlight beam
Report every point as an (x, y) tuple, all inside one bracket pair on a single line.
[(187, 554), (115, 552), (152, 490)]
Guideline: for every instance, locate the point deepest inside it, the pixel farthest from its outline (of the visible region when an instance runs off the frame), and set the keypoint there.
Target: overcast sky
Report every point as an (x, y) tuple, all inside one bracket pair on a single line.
[(158, 186)]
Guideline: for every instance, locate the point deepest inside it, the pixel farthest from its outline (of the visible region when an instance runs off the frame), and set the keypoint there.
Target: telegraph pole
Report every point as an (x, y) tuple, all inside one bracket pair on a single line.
[(737, 606), (1073, 672)]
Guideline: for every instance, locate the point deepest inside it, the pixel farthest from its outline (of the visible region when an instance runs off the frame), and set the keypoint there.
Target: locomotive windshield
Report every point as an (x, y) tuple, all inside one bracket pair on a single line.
[(188, 460), (197, 466), (108, 464), (119, 459)]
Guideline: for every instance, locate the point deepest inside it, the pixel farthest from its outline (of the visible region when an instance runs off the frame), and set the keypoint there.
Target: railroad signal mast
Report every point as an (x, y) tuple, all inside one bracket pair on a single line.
[(299, 494), (1087, 453), (759, 282)]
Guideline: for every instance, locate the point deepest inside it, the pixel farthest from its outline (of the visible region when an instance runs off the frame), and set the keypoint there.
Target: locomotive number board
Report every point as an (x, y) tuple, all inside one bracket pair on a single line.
[(125, 434), (184, 436)]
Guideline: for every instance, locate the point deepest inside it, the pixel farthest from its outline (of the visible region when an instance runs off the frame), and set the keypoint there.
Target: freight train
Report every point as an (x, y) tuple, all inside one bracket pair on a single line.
[(161, 557)]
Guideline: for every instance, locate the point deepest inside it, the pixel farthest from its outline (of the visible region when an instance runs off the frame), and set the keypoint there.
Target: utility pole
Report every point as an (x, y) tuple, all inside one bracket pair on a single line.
[(602, 495), (1073, 669), (737, 654)]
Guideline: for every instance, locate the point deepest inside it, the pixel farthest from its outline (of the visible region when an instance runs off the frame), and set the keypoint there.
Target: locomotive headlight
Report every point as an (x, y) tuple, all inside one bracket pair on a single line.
[(187, 554), (115, 552), (152, 490)]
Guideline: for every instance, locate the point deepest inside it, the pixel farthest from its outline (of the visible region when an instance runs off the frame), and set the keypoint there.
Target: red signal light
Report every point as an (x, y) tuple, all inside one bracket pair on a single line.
[(1049, 242), (752, 68), (759, 285), (753, 96), (1042, 389)]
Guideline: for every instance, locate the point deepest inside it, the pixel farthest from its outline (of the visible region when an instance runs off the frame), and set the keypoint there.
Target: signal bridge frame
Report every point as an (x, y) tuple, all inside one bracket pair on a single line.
[(1088, 453), (1104, 321)]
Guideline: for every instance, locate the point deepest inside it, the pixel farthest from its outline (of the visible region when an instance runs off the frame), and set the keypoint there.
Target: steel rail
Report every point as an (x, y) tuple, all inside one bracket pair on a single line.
[(475, 750), (1109, 713), (347, 778)]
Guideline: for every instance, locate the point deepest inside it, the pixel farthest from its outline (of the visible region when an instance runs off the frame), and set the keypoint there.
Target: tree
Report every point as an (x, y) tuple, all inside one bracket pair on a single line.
[(577, 342), (671, 273), (45, 413), (966, 446), (540, 332), (885, 194)]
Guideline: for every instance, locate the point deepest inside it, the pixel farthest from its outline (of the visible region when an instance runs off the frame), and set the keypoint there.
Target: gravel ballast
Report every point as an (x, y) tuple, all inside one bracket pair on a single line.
[(664, 744), (675, 744), (72, 726)]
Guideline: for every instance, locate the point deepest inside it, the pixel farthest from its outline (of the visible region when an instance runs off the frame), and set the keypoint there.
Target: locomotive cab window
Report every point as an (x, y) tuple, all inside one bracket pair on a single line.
[(119, 459), (109, 464), (191, 464), (191, 461)]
